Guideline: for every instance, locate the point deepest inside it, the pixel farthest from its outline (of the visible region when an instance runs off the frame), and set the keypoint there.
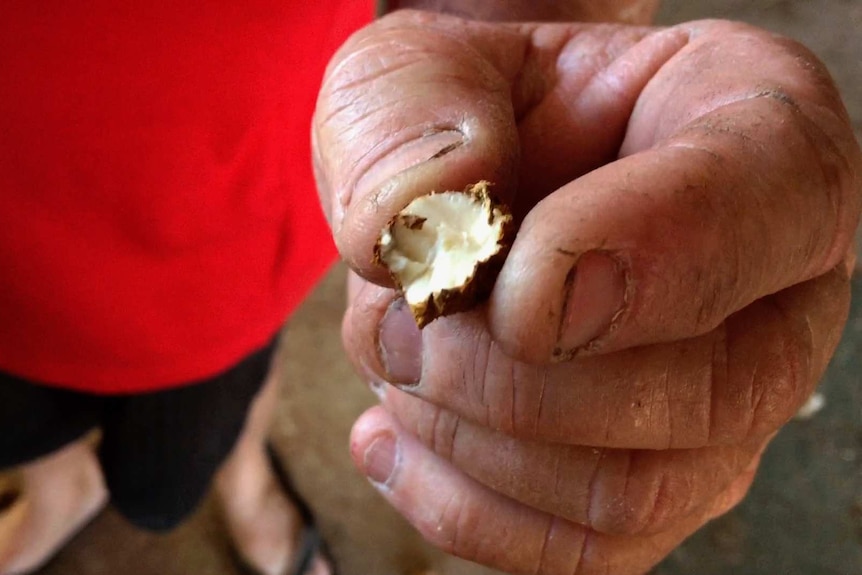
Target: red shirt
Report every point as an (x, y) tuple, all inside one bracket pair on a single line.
[(158, 218)]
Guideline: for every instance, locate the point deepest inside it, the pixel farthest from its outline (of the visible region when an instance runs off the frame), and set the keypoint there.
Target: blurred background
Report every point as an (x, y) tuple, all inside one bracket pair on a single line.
[(802, 517)]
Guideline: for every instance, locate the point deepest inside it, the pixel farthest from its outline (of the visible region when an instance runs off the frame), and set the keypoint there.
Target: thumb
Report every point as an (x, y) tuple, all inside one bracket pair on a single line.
[(413, 103)]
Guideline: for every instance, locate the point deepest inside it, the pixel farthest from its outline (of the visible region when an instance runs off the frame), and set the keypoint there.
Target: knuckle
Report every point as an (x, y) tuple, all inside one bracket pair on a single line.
[(725, 424), (772, 400), (545, 557), (663, 505), (713, 292), (453, 530), (471, 376), (616, 504), (762, 369), (561, 551), (439, 430), (591, 560), (528, 410), (474, 378), (646, 512), (492, 380), (757, 381), (642, 493), (782, 382), (516, 398)]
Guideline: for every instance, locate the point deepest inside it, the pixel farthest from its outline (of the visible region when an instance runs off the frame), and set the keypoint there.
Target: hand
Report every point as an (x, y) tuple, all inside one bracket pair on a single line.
[(687, 200)]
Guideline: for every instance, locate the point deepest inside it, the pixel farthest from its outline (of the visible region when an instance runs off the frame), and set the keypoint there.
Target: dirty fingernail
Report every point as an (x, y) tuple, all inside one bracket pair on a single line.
[(380, 458), (596, 296), (400, 344)]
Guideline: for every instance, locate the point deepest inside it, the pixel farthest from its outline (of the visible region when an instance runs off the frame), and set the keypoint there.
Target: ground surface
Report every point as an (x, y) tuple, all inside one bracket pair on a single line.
[(803, 517)]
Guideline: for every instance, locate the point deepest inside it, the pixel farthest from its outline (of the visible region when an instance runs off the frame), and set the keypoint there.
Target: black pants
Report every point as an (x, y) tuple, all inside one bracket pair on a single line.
[(159, 451)]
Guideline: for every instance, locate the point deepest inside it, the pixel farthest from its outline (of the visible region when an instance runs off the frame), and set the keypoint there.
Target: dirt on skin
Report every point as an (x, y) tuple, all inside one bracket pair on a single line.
[(801, 519)]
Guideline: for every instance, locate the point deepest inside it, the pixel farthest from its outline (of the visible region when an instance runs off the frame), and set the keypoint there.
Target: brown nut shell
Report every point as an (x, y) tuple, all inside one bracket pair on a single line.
[(478, 286)]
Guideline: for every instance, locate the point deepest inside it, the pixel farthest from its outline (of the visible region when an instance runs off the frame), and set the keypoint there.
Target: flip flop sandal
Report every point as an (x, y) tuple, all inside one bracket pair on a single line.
[(310, 541)]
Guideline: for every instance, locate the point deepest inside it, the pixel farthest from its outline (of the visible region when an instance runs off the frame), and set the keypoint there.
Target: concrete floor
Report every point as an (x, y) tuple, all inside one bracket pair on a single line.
[(804, 516)]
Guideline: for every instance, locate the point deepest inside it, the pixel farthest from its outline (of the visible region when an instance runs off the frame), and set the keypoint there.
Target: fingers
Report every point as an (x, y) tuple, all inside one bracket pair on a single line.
[(741, 381), (464, 518), (409, 107), (421, 102), (621, 492), (736, 181)]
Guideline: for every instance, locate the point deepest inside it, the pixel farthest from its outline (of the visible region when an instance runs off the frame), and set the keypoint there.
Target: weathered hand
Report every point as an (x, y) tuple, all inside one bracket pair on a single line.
[(677, 286)]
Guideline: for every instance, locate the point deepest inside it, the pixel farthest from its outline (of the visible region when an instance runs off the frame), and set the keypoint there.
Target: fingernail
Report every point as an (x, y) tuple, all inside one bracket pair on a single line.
[(400, 345), (596, 295), (431, 145), (380, 457)]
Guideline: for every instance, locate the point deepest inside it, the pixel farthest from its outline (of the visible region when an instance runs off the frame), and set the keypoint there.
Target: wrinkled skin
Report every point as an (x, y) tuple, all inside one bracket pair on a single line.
[(687, 199)]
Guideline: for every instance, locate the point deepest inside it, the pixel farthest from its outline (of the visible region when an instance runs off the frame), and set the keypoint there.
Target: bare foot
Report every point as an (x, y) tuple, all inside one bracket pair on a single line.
[(264, 524), (47, 502)]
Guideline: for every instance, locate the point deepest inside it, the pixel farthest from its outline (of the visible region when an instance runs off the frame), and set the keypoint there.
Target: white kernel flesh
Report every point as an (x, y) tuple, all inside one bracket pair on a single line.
[(457, 232)]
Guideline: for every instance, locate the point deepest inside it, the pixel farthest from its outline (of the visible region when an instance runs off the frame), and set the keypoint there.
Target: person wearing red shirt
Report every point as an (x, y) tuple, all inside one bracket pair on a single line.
[(158, 223)]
